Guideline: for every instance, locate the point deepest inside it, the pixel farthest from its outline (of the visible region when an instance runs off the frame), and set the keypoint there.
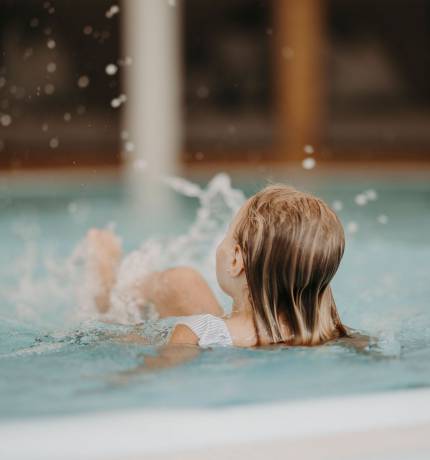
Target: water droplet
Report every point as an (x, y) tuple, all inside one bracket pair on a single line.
[(27, 53), (124, 135), (382, 219), (269, 31), (67, 116), (129, 146), (116, 102), (34, 22), (171, 2), (88, 30), (199, 156), (112, 11), (49, 88), (83, 81), (2, 82), (308, 149), (5, 120), (51, 44), (45, 127), (126, 61), (54, 143), (51, 67), (352, 227), (371, 195), (337, 205), (360, 199), (111, 69), (308, 163)]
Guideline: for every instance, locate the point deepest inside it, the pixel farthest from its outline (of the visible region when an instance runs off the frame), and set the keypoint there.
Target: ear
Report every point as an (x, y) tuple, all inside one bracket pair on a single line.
[(237, 262)]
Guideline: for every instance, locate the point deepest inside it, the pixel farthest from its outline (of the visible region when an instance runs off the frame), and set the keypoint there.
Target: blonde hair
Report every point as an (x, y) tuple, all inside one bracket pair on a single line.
[(292, 244)]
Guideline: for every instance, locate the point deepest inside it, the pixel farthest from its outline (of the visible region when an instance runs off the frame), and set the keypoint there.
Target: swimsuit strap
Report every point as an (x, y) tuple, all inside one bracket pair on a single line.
[(211, 330)]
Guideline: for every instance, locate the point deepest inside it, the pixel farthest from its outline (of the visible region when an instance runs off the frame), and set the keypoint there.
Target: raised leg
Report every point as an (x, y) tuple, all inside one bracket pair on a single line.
[(104, 254), (178, 291)]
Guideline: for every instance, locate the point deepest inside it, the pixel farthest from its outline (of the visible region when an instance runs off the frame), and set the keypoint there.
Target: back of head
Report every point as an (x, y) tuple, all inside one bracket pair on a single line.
[(292, 244)]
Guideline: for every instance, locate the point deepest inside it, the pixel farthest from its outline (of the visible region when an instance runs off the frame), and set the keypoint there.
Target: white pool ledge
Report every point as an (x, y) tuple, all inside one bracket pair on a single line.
[(166, 433)]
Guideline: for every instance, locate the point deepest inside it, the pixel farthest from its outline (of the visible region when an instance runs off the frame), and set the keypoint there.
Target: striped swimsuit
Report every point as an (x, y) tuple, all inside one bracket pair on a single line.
[(211, 330)]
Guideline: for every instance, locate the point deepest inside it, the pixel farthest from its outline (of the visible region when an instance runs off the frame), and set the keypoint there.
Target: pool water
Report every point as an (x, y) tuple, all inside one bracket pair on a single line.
[(58, 358)]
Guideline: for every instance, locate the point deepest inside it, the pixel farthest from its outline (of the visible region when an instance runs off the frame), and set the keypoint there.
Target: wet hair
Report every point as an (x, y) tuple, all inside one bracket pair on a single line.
[(292, 244)]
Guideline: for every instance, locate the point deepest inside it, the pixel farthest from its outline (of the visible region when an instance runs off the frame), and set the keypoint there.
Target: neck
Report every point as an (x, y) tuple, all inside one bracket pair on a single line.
[(241, 304)]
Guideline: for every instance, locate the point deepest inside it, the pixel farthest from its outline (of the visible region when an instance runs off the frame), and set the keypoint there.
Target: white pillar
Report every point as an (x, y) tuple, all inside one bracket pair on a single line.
[(151, 34)]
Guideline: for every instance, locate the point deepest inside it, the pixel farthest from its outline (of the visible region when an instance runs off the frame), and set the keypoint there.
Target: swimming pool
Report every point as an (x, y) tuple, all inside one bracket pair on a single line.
[(57, 359)]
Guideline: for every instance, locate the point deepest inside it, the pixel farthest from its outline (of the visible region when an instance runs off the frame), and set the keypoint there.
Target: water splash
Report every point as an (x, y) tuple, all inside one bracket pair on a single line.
[(218, 204), (61, 297)]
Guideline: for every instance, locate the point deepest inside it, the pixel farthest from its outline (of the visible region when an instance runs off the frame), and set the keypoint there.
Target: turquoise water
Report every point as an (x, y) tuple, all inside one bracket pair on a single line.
[(56, 358)]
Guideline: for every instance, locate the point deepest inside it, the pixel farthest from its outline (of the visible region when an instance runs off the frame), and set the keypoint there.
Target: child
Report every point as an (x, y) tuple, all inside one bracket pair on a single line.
[(276, 263)]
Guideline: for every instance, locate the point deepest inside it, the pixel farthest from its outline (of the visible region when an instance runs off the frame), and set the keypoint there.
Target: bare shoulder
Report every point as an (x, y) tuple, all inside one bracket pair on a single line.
[(183, 335), (242, 331)]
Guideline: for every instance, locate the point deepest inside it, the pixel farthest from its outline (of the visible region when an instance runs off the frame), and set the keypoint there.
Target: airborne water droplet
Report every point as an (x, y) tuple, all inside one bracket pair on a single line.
[(382, 219), (337, 205), (83, 81), (308, 163), (54, 143), (112, 11), (308, 149), (352, 227), (111, 69), (360, 199)]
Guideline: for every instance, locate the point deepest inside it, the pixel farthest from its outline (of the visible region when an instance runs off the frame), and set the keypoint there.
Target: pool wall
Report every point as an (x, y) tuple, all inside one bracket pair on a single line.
[(392, 425)]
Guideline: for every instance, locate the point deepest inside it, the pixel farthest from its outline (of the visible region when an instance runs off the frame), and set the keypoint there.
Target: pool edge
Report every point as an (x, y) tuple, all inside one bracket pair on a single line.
[(139, 433)]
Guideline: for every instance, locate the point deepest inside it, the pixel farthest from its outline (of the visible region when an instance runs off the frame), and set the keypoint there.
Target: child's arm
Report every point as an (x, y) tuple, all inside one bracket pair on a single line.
[(181, 348), (171, 356), (103, 257), (181, 335)]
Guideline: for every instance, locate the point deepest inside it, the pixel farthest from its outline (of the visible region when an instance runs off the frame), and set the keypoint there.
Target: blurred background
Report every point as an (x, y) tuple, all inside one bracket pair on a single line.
[(125, 115), (197, 82)]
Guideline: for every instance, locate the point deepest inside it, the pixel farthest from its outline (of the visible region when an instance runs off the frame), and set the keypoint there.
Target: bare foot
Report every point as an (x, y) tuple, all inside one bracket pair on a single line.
[(104, 254)]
